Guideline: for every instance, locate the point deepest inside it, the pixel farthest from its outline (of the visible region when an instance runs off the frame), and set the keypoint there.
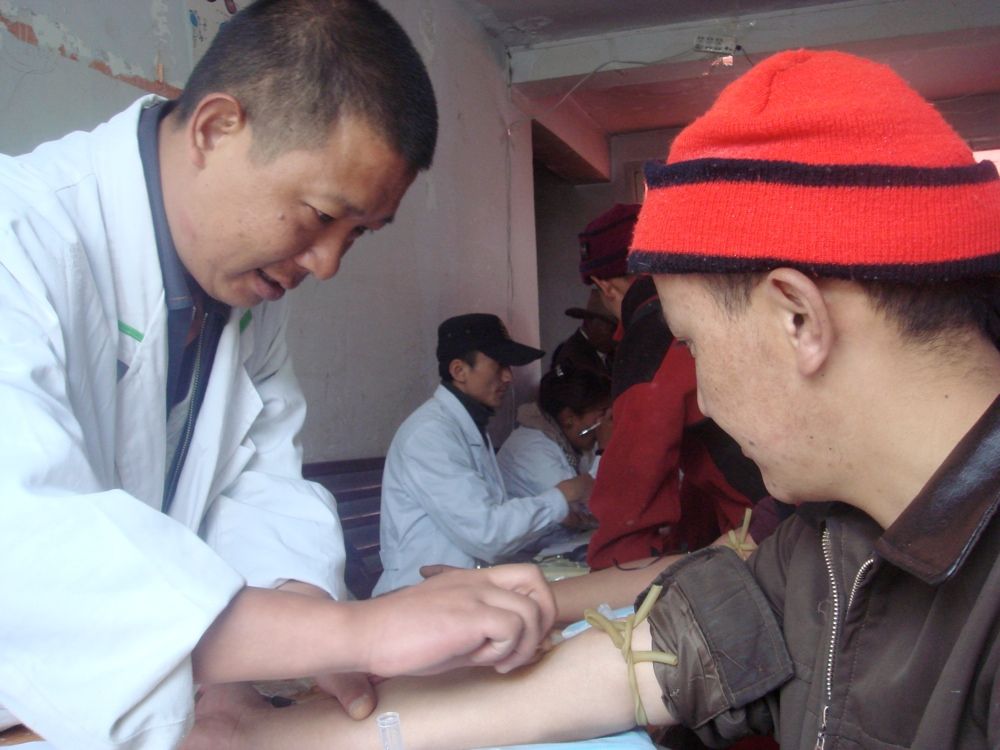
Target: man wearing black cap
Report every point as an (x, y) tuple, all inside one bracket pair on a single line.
[(592, 345), (443, 499)]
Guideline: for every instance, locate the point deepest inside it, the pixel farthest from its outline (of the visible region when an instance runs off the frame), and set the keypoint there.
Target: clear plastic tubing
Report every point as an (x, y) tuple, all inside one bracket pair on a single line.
[(388, 731)]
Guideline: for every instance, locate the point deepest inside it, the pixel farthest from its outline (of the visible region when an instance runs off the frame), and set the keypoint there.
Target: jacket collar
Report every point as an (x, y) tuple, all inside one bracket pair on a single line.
[(455, 407), (640, 300), (137, 281), (480, 413), (935, 534)]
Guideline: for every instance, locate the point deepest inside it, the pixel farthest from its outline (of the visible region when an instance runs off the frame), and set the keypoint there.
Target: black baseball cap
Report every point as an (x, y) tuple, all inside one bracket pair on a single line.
[(482, 332)]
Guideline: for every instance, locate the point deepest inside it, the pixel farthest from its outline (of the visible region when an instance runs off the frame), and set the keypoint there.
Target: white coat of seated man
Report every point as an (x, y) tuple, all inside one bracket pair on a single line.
[(443, 497)]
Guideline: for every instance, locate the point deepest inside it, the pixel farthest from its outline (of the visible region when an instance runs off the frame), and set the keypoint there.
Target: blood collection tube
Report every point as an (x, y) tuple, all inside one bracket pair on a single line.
[(388, 731)]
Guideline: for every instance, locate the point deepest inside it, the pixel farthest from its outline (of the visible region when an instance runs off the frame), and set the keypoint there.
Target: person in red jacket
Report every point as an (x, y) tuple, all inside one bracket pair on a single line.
[(670, 479)]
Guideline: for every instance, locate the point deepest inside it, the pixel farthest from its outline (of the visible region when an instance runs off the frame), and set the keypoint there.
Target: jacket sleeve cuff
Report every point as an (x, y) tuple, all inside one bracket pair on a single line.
[(556, 501), (729, 644)]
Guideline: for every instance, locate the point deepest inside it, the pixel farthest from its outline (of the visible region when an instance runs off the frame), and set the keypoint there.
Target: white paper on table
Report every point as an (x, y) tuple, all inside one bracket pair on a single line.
[(578, 540)]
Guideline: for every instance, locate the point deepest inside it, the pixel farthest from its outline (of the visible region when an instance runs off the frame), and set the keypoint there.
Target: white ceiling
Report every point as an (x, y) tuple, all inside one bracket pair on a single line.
[(522, 22), (587, 70)]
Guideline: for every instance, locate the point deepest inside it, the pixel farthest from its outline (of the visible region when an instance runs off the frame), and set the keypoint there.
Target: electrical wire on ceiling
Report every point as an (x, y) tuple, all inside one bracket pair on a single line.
[(587, 77), (510, 143)]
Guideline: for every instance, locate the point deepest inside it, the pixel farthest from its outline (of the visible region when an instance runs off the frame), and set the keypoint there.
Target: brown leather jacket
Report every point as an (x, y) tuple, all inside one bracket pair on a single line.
[(839, 635)]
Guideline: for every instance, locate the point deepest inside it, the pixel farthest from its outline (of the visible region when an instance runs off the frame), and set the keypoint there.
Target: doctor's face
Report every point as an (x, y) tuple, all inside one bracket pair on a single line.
[(486, 381), (255, 229)]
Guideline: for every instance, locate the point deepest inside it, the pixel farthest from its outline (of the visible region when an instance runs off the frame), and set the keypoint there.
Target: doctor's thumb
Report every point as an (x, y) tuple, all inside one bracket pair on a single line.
[(354, 691), (429, 571)]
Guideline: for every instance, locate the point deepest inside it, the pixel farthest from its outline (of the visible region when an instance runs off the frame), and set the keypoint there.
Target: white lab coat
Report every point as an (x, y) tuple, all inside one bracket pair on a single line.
[(102, 596), (533, 458), (530, 461), (443, 500)]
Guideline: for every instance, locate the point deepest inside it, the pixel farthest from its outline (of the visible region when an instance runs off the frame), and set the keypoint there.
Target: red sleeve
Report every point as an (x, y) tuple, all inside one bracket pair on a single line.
[(637, 489)]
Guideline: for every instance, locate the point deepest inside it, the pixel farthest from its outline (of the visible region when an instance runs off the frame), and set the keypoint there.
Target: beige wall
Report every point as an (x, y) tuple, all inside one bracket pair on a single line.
[(364, 342), (562, 211)]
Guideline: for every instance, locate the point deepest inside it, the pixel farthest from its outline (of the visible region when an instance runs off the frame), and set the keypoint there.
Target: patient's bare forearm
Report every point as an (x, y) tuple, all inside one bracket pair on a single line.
[(579, 690), (617, 587)]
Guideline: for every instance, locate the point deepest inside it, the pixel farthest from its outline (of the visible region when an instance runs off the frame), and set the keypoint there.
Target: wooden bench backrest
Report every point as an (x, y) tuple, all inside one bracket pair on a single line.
[(357, 486)]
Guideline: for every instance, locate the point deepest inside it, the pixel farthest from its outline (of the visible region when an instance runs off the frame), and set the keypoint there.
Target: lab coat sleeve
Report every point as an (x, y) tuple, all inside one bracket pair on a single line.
[(270, 523), (440, 471), (531, 463), (103, 597)]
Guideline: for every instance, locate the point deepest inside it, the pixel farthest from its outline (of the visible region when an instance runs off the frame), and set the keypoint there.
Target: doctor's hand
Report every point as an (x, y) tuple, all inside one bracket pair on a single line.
[(492, 617), (353, 689)]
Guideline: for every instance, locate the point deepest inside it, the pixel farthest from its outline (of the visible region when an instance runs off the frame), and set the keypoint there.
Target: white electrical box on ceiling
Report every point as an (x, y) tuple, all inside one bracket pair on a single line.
[(722, 45)]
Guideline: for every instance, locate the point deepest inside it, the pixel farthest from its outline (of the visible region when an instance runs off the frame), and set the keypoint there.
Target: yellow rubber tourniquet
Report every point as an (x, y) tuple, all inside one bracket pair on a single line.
[(737, 540), (620, 632)]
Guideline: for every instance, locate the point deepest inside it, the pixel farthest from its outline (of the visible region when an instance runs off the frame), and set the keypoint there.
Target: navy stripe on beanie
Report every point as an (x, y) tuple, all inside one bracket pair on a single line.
[(660, 174)]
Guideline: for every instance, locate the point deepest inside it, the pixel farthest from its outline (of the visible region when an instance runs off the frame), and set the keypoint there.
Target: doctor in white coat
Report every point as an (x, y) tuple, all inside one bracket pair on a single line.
[(443, 497), (151, 499)]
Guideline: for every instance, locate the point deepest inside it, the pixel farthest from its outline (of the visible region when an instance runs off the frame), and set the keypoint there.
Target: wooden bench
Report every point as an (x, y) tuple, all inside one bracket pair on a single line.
[(357, 485)]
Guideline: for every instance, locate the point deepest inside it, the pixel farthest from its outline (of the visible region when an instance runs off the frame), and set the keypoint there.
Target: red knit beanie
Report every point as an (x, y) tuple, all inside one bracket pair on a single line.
[(828, 163)]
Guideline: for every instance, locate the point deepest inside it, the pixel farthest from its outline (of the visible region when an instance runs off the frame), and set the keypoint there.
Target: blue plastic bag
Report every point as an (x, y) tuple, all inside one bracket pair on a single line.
[(635, 739)]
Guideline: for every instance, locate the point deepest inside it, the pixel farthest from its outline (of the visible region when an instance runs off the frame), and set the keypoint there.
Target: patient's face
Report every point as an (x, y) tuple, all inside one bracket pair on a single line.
[(743, 381)]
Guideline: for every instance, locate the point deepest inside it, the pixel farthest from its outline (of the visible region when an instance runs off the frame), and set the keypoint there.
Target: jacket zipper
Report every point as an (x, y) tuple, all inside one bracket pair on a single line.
[(185, 443), (834, 630)]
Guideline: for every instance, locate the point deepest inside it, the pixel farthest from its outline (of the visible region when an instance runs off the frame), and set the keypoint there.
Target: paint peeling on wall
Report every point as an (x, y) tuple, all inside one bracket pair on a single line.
[(160, 11), (47, 34), (21, 31), (206, 17), (428, 33)]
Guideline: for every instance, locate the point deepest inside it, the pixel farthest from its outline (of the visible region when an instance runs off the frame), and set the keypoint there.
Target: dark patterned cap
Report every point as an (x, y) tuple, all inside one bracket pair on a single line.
[(604, 243), (482, 332)]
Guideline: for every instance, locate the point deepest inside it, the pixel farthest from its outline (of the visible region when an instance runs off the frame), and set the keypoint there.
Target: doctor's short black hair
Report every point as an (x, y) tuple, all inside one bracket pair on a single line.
[(296, 66)]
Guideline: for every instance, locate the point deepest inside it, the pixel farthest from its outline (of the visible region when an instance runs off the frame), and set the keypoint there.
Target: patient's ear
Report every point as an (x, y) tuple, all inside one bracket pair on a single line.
[(803, 315)]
